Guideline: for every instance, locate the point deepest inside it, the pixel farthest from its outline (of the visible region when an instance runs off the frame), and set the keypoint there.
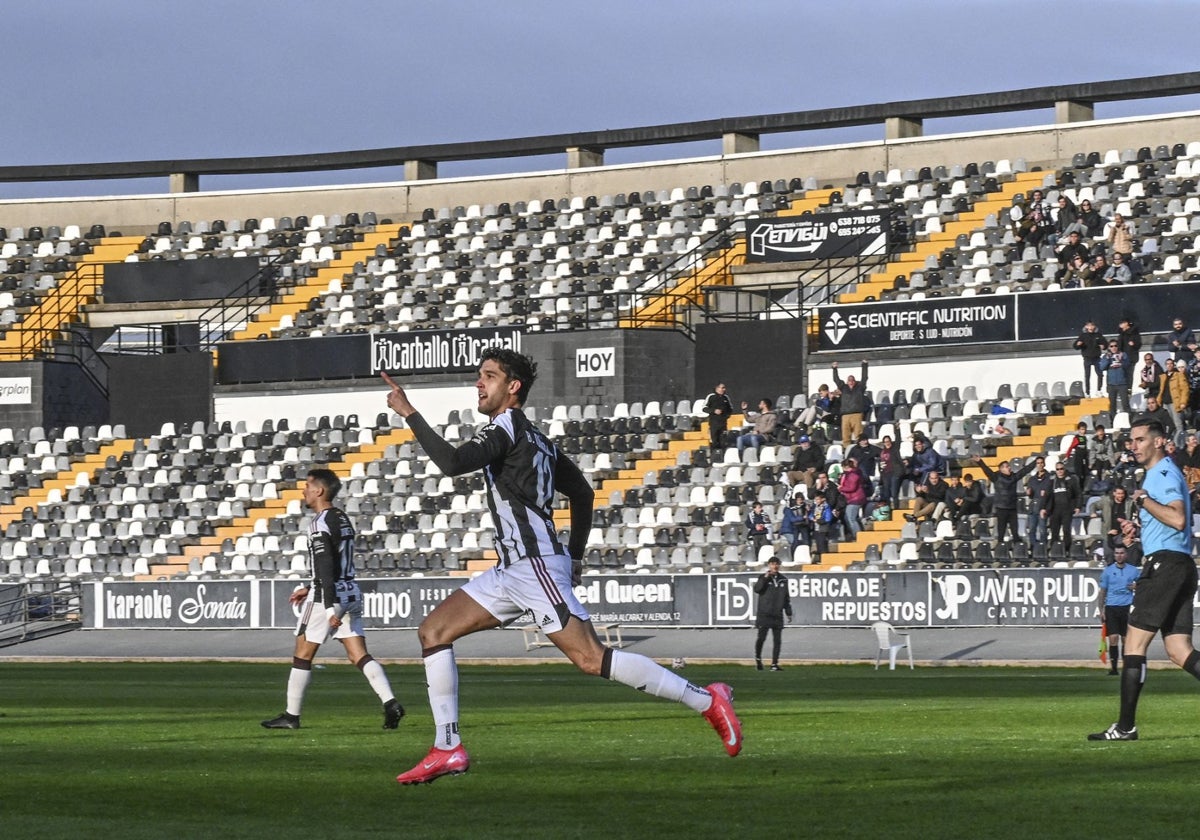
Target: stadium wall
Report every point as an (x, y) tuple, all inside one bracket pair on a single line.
[(1046, 145), (943, 599)]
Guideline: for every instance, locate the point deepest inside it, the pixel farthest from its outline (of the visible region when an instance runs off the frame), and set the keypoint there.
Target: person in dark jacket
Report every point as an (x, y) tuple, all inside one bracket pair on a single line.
[(1037, 489), (774, 602), (718, 408), (1062, 503), (1116, 376), (806, 463), (1090, 345), (796, 523), (1181, 341), (758, 526), (1130, 339), (1005, 483), (853, 403)]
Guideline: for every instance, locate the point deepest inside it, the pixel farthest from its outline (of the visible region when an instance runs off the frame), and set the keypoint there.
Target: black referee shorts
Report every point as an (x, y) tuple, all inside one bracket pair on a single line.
[(1164, 594), (1116, 619)]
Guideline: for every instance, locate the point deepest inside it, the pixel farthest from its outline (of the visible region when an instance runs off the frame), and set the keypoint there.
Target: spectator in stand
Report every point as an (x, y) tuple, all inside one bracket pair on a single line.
[(964, 498), (1191, 461), (758, 526), (1116, 374), (1005, 484), (999, 429), (1193, 376), (1126, 467), (1156, 411), (1149, 374), (1063, 501), (1034, 221), (1174, 393), (796, 523), (1066, 220), (1091, 221), (891, 472), (1090, 345), (1115, 507), (1097, 268), (1102, 450), (866, 455), (853, 405), (718, 408), (829, 507), (930, 503), (1130, 339), (1037, 492), (1076, 455), (764, 421), (1077, 273), (853, 486), (820, 410), (1118, 273), (806, 463), (1119, 238), (1182, 342), (924, 460), (1067, 254)]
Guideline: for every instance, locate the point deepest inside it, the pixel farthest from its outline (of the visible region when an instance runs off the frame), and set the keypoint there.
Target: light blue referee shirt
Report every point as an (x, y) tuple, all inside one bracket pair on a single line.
[(1115, 581), (1164, 483)]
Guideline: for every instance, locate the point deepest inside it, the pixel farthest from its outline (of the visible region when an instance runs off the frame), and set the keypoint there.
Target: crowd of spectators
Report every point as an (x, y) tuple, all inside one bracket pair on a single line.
[(1070, 497)]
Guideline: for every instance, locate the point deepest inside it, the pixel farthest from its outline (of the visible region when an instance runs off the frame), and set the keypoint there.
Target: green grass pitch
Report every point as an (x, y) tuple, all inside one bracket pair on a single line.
[(135, 750)]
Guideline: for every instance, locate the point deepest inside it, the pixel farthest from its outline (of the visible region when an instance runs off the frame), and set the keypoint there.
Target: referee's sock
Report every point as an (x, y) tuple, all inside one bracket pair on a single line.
[(1192, 664), (1132, 678)]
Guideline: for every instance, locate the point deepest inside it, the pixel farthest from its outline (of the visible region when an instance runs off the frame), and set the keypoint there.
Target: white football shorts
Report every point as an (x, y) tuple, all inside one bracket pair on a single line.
[(313, 622), (540, 586)]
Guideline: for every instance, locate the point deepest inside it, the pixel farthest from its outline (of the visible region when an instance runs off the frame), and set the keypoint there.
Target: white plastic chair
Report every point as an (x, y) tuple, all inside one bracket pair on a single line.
[(889, 639)]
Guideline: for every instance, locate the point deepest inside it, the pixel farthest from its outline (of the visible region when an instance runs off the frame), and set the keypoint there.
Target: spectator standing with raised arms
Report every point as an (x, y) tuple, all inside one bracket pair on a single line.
[(854, 403), (535, 573)]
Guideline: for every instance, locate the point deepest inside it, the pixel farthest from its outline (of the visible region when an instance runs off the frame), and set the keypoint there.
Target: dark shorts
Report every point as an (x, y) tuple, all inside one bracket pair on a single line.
[(1164, 594), (1116, 619)]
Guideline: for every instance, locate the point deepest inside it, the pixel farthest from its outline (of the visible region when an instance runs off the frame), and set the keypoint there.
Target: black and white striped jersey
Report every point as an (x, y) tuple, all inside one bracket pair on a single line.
[(330, 552), (523, 470)]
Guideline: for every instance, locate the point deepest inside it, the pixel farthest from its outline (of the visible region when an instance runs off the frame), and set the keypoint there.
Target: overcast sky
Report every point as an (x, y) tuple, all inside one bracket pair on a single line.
[(139, 80)]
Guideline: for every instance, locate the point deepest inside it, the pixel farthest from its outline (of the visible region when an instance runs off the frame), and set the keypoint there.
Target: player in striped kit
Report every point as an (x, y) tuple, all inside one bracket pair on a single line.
[(534, 573), (331, 604)]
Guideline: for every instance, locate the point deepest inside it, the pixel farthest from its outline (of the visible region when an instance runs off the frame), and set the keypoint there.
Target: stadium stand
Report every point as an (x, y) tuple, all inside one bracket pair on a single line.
[(202, 498)]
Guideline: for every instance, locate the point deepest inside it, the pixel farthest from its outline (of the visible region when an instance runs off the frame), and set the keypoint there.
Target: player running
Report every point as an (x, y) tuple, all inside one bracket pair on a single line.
[(534, 573)]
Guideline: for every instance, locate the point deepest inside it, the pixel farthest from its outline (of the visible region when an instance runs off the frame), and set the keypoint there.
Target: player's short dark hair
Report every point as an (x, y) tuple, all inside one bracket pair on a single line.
[(767, 400), (515, 365), (328, 479), (1153, 426)]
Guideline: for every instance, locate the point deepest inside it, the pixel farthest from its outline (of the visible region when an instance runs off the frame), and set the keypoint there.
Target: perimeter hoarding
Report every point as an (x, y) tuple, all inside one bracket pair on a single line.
[(966, 598), (919, 323), (817, 236)]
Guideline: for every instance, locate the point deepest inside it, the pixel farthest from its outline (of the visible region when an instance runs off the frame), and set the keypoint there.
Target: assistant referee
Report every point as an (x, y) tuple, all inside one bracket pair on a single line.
[(1167, 584)]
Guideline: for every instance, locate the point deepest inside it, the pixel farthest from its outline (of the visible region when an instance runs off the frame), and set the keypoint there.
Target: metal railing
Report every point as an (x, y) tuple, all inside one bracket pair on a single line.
[(33, 610), (52, 329)]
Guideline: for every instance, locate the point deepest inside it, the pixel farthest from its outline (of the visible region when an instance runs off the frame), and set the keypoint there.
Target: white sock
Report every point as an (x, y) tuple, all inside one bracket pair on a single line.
[(375, 675), (298, 681), (441, 676), (646, 675)]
